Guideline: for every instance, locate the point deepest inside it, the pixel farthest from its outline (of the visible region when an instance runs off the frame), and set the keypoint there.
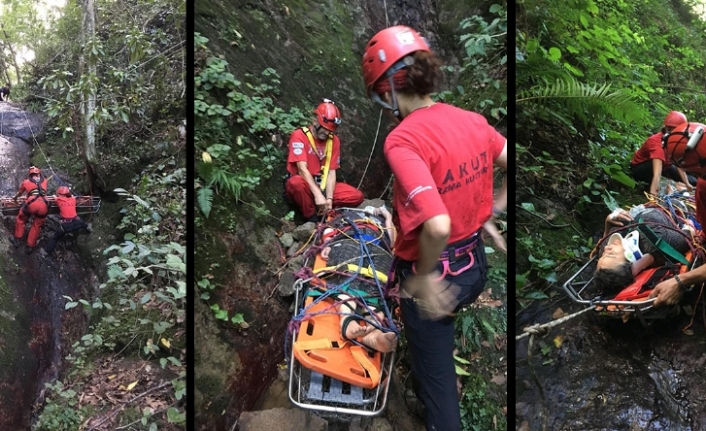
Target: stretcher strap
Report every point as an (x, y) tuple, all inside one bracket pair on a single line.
[(670, 253), (367, 271), (321, 343), (360, 355)]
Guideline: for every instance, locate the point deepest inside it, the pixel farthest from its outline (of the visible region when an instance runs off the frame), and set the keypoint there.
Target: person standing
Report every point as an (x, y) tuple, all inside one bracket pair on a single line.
[(442, 159), (69, 221), (314, 157), (35, 206)]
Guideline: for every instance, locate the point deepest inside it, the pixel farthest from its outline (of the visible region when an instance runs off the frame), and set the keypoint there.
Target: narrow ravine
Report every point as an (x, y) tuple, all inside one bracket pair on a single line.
[(35, 329)]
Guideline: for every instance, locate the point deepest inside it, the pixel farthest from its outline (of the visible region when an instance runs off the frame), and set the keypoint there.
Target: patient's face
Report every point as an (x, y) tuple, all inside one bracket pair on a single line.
[(613, 254)]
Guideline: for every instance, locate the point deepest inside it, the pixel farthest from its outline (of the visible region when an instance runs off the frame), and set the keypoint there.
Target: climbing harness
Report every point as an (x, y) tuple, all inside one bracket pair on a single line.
[(327, 154), (329, 371)]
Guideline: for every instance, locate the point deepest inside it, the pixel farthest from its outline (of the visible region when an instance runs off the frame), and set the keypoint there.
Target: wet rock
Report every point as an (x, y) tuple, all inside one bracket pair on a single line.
[(281, 420), (380, 424), (17, 123), (287, 240), (293, 249), (286, 284), (303, 232)]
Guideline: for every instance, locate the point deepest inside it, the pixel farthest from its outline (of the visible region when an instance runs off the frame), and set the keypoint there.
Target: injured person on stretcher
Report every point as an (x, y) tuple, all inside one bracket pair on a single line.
[(659, 232), (363, 320)]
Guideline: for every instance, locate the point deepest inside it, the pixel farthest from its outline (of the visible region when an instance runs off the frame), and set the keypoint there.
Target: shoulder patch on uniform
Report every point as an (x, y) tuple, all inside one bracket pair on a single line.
[(297, 151), (297, 145)]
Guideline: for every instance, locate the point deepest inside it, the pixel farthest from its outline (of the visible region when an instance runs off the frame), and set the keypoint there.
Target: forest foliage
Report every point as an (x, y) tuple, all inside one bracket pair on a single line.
[(595, 78), (138, 313)]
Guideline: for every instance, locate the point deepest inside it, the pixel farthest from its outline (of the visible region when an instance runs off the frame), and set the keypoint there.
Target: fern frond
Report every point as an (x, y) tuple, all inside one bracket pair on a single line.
[(224, 180), (204, 197), (580, 97)]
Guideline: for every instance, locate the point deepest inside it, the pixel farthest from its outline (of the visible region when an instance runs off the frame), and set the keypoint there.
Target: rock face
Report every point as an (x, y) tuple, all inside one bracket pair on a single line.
[(16, 123), (280, 419), (315, 48)]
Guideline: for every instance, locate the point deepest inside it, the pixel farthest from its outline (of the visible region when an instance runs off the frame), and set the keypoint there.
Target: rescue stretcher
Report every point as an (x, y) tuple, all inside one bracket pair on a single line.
[(84, 205), (633, 299), (328, 373)]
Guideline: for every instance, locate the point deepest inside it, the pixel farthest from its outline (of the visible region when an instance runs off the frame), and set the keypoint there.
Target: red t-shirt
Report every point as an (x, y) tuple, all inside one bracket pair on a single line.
[(67, 206), (442, 158), (27, 186), (651, 149), (300, 150)]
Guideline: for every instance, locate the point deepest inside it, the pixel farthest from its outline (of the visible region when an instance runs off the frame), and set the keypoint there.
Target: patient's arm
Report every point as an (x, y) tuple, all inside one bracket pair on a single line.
[(617, 218)]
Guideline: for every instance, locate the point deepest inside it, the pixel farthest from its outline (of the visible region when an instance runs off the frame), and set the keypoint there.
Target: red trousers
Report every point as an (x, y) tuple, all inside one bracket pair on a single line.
[(297, 190), (38, 209)]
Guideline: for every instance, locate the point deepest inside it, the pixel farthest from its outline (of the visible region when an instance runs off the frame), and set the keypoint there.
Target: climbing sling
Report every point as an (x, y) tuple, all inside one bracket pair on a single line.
[(329, 148)]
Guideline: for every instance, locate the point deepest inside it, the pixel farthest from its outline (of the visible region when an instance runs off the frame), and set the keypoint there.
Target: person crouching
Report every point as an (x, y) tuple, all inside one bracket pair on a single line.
[(69, 221)]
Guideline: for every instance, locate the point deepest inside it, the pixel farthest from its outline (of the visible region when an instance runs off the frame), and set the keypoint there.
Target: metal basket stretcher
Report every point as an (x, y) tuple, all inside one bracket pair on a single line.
[(313, 384), (633, 300), (84, 205)]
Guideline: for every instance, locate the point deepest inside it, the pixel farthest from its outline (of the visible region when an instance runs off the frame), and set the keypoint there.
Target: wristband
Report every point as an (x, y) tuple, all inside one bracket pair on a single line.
[(329, 199), (680, 284)]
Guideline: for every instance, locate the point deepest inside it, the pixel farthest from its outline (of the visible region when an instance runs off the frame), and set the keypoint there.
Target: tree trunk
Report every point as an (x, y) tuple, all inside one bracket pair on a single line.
[(3, 64), (89, 60), (12, 51)]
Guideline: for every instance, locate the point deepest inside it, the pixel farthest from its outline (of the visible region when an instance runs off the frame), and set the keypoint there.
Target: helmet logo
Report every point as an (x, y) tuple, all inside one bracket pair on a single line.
[(405, 37), (382, 56)]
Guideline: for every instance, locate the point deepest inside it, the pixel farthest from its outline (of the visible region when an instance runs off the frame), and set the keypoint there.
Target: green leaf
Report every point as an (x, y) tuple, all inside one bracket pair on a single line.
[(554, 53), (175, 416), (461, 360), (528, 206), (461, 372), (237, 318)]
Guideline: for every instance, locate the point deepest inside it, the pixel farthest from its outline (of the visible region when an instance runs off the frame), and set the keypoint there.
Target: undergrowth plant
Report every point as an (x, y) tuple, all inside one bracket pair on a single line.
[(141, 305), (237, 123)]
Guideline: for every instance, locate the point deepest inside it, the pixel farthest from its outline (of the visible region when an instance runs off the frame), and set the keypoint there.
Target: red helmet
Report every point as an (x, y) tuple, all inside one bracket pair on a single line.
[(34, 170), (685, 146), (327, 115), (674, 118), (386, 48), (63, 190)]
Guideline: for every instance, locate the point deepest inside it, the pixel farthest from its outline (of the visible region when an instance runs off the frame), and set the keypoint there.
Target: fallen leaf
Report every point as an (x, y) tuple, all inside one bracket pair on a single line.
[(558, 340), (688, 332), (112, 377), (165, 343), (132, 385), (558, 314), (499, 379)]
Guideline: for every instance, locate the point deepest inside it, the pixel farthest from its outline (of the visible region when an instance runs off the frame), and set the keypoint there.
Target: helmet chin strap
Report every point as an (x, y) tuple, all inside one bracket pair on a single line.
[(404, 62)]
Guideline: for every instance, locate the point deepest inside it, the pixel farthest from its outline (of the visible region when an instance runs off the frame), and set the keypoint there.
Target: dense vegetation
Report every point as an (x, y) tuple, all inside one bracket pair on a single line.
[(109, 77), (595, 78), (241, 123)]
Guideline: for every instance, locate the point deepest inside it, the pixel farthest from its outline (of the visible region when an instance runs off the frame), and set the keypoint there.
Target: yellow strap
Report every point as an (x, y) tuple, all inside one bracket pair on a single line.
[(367, 271), (329, 148), (360, 355), (322, 343)]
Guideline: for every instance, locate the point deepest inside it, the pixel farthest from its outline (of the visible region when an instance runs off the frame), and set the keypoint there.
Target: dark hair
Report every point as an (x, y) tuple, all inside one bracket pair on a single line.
[(613, 280), (422, 77)]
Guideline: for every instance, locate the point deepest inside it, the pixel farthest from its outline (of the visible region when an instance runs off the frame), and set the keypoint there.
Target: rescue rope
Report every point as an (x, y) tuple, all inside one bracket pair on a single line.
[(40, 149), (538, 329), (375, 141), (542, 329), (387, 24)]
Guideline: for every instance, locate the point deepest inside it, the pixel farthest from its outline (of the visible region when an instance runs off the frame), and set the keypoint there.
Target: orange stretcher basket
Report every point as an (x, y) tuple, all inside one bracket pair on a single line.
[(84, 205), (327, 373), (321, 348)]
